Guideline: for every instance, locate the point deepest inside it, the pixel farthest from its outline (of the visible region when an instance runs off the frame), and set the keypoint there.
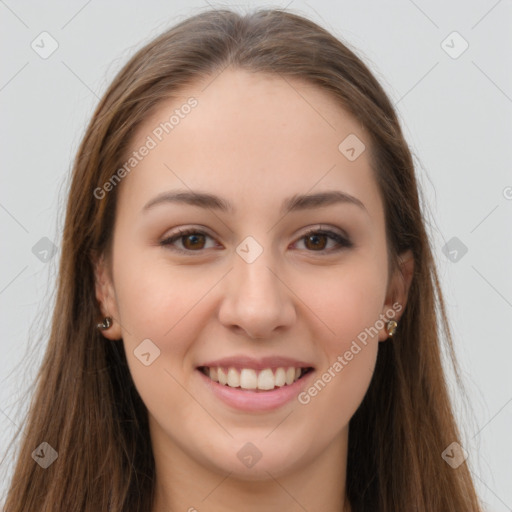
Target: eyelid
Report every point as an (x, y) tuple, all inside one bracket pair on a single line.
[(340, 237)]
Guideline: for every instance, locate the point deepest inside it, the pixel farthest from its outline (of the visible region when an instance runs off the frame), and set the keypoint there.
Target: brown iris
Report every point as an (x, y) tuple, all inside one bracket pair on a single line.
[(315, 238), (195, 239)]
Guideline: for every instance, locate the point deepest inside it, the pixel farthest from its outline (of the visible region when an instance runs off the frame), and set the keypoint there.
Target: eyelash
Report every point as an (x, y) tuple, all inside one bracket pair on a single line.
[(343, 243)]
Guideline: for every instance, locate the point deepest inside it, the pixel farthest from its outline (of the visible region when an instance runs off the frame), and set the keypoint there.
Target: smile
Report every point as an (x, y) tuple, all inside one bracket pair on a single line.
[(250, 379)]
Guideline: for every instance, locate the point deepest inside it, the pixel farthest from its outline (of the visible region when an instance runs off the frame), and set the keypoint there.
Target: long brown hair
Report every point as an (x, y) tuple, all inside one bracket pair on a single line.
[(86, 406)]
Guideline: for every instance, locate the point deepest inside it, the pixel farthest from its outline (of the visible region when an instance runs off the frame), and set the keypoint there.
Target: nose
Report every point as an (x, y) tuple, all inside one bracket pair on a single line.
[(256, 303)]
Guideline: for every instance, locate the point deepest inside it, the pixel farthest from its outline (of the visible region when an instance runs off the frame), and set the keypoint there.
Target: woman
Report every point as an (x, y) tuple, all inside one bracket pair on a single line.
[(246, 310)]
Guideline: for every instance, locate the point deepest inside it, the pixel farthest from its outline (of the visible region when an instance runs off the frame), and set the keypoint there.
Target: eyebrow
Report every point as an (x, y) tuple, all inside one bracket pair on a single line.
[(297, 202)]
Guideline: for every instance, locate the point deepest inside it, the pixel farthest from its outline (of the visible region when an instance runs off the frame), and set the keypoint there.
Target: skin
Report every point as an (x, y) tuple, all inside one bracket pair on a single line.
[(254, 140)]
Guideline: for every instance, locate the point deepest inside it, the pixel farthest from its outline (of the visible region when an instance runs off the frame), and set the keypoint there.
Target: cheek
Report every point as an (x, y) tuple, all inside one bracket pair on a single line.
[(161, 304), (349, 306), (349, 302), (156, 298)]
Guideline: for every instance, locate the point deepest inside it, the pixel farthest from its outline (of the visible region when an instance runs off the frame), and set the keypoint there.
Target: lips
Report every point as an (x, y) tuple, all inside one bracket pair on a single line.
[(270, 392)]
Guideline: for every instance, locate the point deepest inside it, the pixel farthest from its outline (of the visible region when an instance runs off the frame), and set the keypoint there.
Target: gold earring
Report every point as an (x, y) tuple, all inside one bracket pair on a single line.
[(391, 328), (105, 324)]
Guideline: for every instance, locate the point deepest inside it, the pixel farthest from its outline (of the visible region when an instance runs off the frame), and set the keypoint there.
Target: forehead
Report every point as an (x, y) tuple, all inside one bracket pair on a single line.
[(251, 134)]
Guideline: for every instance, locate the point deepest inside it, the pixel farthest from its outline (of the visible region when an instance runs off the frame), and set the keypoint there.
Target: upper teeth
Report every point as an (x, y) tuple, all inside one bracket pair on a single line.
[(247, 378)]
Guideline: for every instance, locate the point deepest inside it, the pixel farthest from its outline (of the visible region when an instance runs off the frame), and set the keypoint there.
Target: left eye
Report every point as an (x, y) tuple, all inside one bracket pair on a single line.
[(193, 240), (190, 239)]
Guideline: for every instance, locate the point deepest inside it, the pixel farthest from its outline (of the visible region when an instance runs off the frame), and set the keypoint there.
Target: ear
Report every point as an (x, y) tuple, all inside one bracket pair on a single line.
[(105, 295), (398, 291)]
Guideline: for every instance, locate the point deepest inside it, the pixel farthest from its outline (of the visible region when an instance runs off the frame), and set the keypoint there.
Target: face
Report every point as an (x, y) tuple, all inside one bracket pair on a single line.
[(251, 282)]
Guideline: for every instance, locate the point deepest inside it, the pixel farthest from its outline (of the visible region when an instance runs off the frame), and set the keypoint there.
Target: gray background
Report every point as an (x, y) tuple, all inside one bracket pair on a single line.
[(456, 113)]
